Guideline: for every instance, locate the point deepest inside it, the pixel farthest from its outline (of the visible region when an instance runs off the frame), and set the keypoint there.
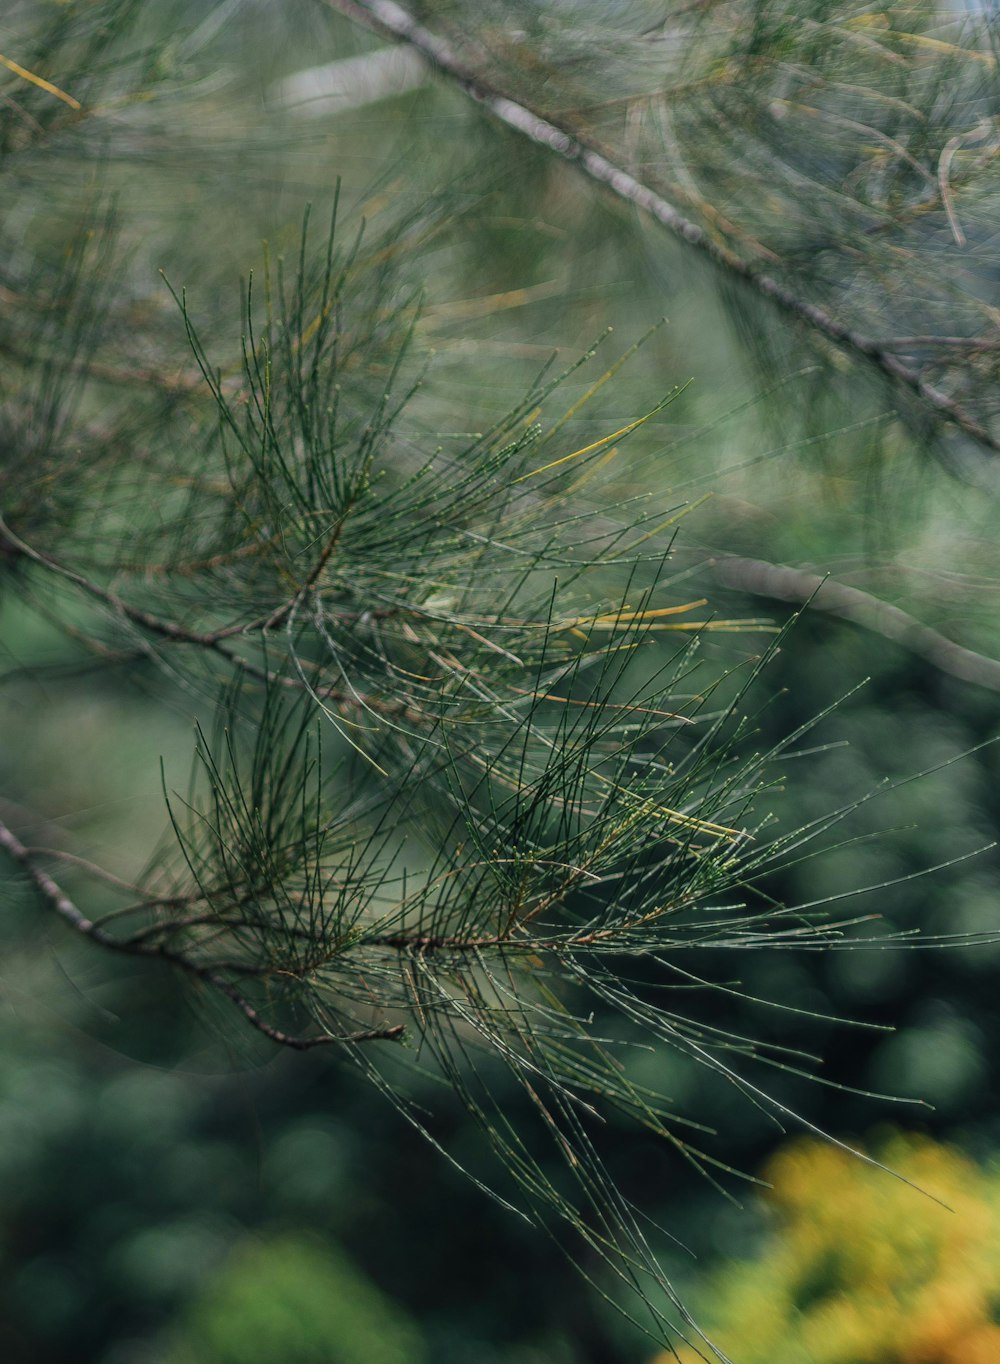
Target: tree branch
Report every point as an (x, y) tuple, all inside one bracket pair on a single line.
[(390, 20), (215, 640), (212, 975), (860, 608), (155, 624)]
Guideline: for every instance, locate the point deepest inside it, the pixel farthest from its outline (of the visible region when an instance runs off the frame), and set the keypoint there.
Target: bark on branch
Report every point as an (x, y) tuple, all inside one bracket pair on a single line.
[(861, 608)]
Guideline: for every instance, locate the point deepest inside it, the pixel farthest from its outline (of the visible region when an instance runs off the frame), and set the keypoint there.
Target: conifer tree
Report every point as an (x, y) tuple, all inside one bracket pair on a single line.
[(461, 786)]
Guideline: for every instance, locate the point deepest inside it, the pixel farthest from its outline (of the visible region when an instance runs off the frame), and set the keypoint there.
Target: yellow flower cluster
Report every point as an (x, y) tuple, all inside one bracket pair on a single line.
[(862, 1268)]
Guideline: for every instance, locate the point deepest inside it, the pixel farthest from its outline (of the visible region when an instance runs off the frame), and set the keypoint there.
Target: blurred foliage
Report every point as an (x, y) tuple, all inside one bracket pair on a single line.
[(856, 1267), (137, 1196), (293, 1299)]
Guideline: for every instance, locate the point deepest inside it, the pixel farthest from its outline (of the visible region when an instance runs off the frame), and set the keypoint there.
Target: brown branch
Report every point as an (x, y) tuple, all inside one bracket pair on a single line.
[(389, 19), (155, 624), (90, 867), (170, 629), (860, 608), (213, 975), (187, 381), (284, 1039), (380, 705), (967, 343)]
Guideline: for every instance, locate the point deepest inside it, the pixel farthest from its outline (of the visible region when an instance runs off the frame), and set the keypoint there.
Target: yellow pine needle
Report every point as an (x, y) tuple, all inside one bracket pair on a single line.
[(599, 383), (597, 444), (601, 705), (588, 474), (386, 253), (605, 619), (880, 21), (40, 81), (486, 305), (651, 613), (704, 826), (947, 49), (670, 521), (652, 620), (584, 450), (732, 625)]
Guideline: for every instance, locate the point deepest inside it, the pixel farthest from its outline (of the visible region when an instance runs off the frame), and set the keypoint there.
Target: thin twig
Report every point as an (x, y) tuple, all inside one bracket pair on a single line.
[(969, 343), (91, 867), (944, 167), (390, 20), (422, 945), (281, 613), (157, 625)]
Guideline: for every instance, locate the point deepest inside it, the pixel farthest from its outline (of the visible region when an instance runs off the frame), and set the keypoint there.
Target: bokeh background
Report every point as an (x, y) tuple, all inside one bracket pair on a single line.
[(172, 1193)]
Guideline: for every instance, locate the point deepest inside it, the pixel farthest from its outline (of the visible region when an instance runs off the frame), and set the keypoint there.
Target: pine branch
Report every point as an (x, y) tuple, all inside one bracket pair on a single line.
[(214, 976), (549, 814), (390, 20)]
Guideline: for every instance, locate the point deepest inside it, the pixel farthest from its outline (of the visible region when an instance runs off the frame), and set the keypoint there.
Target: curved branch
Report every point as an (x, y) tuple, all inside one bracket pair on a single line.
[(860, 608), (389, 19)]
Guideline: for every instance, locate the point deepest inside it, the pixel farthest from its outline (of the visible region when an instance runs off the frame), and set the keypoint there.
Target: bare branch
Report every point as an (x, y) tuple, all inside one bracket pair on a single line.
[(861, 608), (155, 624)]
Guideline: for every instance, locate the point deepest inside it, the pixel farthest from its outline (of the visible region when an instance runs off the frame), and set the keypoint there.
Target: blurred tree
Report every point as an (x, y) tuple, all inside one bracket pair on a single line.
[(859, 1269), (463, 786)]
